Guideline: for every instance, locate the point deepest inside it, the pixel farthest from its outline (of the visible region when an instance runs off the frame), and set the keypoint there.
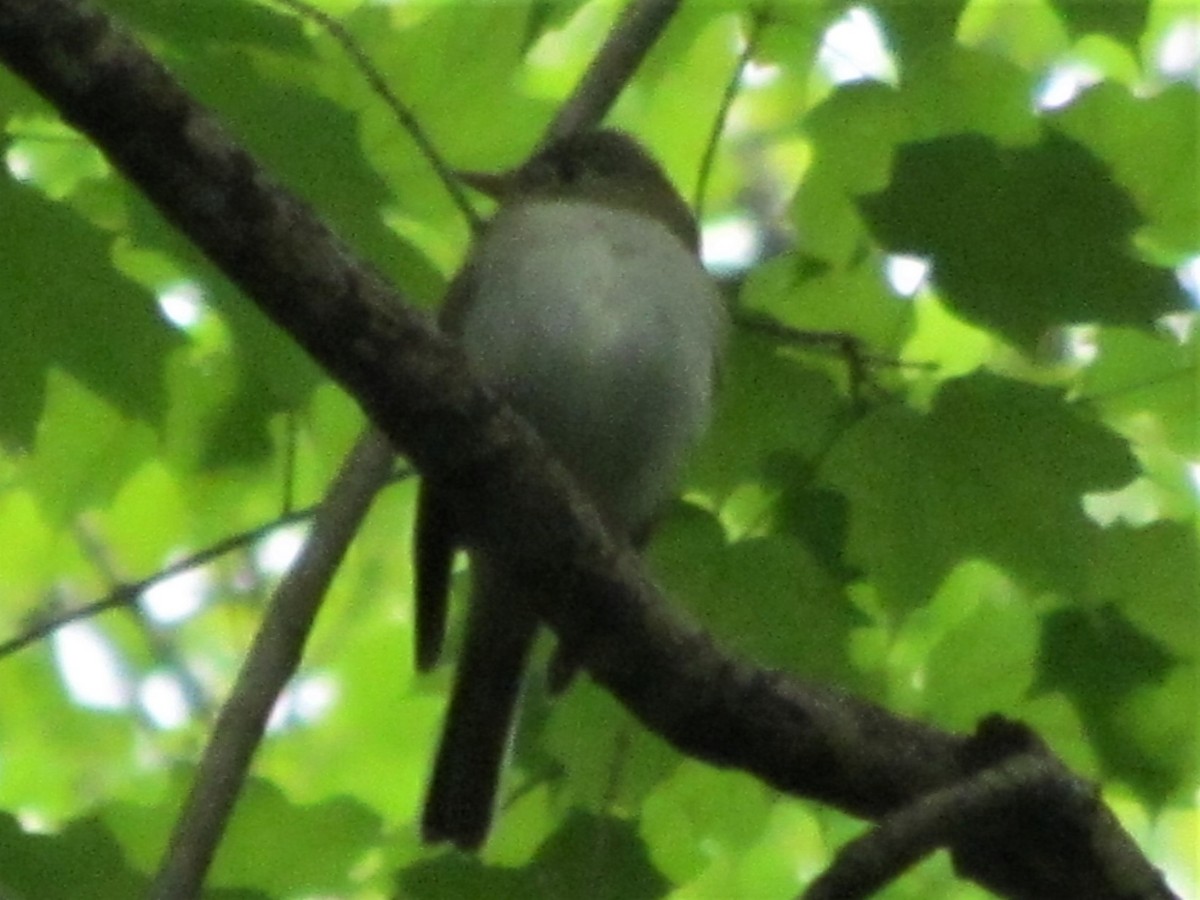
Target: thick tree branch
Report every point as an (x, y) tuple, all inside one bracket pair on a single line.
[(804, 739), (1032, 788)]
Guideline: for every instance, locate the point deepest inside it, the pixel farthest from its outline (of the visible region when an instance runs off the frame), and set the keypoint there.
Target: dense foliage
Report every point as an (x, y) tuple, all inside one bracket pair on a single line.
[(979, 497)]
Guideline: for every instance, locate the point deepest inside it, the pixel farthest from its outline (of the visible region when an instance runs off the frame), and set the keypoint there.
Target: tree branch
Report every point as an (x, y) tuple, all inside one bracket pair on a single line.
[(45, 622), (640, 24), (271, 661), (1032, 788), (804, 739)]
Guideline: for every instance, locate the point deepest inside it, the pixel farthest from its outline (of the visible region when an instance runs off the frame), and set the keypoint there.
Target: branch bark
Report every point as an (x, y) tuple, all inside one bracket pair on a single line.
[(804, 739), (627, 44), (270, 663)]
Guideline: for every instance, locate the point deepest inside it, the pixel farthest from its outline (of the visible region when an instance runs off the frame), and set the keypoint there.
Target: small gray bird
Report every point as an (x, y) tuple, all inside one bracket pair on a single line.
[(585, 305)]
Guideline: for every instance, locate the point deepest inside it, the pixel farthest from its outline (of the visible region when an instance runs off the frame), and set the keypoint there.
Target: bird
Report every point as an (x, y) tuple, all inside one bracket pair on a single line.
[(584, 305)]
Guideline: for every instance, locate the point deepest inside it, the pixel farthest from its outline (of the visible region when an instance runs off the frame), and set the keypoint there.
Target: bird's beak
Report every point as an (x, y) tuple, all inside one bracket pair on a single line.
[(497, 185)]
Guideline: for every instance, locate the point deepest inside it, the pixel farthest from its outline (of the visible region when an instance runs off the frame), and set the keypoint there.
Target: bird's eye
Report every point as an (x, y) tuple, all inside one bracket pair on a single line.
[(568, 171), (570, 168)]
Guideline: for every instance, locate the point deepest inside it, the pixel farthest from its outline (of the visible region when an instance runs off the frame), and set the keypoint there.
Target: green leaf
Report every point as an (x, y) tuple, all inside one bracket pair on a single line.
[(60, 757), (1130, 693), (609, 761), (82, 860), (700, 815), (1151, 575), (313, 848), (570, 865), (996, 469), (84, 451), (1066, 255), (1125, 20), (957, 90), (853, 135), (915, 28), (1028, 33), (82, 318), (274, 375), (1097, 655), (1147, 386), (769, 407), (381, 714), (852, 300), (1150, 145), (216, 24), (976, 603), (984, 663), (453, 876)]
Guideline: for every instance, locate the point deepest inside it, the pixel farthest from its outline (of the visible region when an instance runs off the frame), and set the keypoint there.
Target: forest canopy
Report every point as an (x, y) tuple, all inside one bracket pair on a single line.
[(954, 469)]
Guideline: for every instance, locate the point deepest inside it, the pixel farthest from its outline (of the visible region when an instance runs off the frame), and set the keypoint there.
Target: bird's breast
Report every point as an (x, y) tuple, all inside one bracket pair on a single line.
[(602, 328)]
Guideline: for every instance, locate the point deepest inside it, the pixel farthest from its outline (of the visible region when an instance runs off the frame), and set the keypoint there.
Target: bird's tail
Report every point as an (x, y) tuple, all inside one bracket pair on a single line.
[(479, 721)]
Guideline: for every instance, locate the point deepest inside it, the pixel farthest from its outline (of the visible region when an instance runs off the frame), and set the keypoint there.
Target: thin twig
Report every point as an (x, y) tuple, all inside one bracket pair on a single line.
[(271, 661), (125, 594), (635, 32), (164, 651), (758, 21), (404, 115), (850, 347), (291, 435), (841, 342)]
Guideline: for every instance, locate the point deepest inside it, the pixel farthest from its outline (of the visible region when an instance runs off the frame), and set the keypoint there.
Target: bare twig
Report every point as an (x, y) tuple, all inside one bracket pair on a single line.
[(126, 594), (405, 116), (848, 346), (635, 32), (759, 19), (842, 343), (165, 652), (272, 660)]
